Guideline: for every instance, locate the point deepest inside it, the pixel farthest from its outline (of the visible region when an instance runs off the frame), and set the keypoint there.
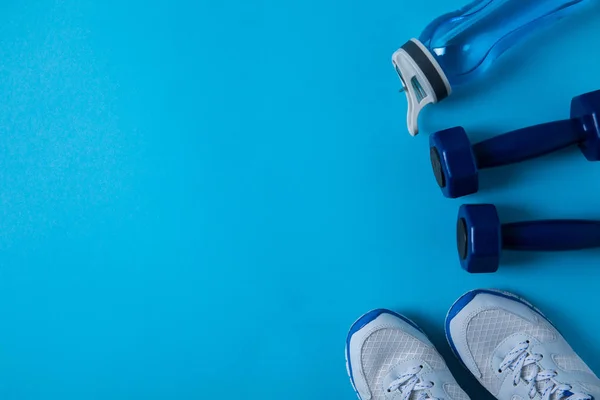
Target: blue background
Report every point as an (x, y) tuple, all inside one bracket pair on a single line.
[(197, 199)]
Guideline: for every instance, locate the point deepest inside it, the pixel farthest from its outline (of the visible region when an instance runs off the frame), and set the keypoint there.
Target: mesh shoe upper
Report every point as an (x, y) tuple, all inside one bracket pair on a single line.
[(380, 350), (485, 327), (455, 392), (488, 329), (385, 348)]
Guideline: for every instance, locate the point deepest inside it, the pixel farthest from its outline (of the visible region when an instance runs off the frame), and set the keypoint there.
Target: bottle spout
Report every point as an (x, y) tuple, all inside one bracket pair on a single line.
[(423, 80)]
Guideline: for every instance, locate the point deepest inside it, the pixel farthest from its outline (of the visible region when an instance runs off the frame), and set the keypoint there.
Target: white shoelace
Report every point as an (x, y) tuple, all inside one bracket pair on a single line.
[(539, 381), (409, 383)]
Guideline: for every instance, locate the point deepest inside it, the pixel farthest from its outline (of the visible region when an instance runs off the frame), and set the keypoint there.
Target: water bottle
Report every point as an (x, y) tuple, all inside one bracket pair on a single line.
[(460, 46)]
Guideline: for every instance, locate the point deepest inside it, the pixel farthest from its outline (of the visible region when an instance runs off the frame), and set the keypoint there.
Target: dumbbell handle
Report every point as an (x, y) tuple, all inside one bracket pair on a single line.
[(551, 235), (527, 143)]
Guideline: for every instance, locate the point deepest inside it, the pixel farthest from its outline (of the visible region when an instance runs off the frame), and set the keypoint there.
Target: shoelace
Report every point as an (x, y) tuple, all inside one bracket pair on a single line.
[(409, 383), (539, 381)]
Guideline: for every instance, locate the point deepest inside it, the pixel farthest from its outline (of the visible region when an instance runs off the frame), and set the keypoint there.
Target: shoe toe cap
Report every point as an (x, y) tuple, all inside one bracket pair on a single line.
[(481, 320), (376, 343)]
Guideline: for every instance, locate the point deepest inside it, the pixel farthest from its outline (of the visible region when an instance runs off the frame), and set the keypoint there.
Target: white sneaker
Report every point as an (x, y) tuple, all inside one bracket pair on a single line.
[(389, 358), (514, 351)]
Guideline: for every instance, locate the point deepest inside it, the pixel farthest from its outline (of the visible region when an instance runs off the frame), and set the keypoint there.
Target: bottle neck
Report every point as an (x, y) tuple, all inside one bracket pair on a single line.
[(423, 79)]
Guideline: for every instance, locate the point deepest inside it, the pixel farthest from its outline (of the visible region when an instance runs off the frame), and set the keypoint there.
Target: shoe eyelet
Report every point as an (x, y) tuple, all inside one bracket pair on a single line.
[(527, 341), (500, 370)]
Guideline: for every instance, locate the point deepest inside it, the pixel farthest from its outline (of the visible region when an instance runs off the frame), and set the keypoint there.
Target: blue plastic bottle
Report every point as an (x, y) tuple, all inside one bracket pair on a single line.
[(460, 46)]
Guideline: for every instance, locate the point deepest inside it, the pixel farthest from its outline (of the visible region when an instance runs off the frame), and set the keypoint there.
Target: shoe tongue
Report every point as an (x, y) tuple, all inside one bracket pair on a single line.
[(542, 385), (416, 395)]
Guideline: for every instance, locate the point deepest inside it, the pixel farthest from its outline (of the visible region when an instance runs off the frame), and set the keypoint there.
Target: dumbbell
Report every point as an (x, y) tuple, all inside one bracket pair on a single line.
[(481, 238), (456, 162)]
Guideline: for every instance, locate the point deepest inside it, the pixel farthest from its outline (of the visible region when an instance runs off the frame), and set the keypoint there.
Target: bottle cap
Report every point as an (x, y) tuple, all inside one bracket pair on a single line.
[(423, 80)]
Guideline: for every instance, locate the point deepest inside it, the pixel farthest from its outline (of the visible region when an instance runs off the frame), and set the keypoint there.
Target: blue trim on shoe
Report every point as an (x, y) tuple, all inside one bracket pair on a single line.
[(465, 299), (364, 321)]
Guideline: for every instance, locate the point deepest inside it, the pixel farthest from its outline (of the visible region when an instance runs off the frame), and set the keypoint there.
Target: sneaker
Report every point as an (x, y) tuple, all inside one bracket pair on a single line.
[(514, 351), (389, 357)]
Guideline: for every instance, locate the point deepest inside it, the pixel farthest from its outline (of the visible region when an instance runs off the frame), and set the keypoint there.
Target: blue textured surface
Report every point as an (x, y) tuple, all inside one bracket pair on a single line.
[(199, 198)]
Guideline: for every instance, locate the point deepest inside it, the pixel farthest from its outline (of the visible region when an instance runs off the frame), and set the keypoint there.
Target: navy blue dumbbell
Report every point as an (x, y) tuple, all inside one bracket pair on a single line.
[(481, 237), (456, 162)]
